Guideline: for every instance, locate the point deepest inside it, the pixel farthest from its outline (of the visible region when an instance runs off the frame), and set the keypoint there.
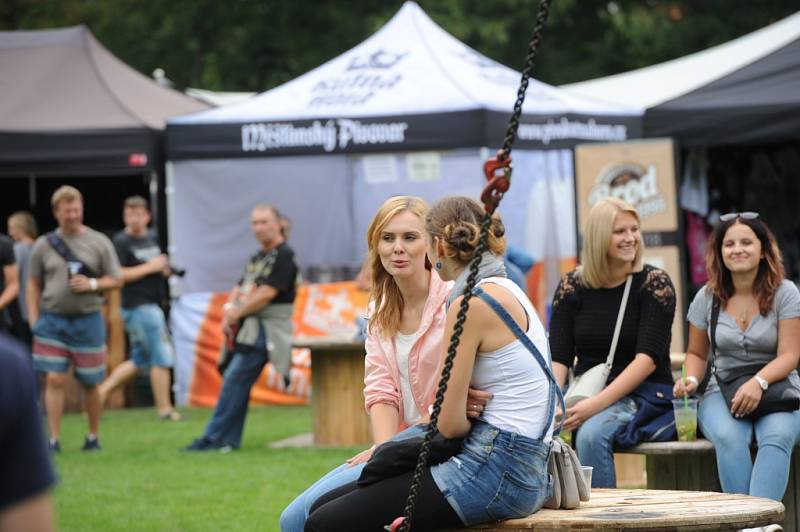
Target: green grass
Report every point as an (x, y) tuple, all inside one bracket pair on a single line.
[(141, 481)]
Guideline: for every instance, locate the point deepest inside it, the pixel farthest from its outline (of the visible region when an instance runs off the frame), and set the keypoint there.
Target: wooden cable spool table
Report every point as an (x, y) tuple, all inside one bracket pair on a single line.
[(337, 392), (651, 511)]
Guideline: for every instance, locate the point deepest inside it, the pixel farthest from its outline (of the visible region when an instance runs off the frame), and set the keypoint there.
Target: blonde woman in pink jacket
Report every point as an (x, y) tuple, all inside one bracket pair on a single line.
[(404, 342)]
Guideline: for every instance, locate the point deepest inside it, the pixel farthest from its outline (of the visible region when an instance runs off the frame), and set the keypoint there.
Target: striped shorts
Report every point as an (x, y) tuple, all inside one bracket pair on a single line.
[(59, 341)]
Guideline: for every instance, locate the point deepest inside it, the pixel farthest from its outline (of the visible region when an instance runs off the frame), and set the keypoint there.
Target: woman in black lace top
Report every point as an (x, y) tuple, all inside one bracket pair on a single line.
[(584, 313)]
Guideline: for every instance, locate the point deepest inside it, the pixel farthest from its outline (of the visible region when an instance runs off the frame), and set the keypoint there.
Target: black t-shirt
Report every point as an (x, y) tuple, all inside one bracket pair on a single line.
[(25, 468), (275, 268), (134, 251), (6, 258), (583, 319)]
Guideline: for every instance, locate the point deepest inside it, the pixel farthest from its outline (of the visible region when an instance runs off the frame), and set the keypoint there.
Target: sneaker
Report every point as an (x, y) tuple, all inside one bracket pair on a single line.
[(172, 415), (224, 448), (200, 444), (91, 444), (54, 445)]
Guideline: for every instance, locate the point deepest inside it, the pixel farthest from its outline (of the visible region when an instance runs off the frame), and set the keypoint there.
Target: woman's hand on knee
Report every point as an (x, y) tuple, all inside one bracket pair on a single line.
[(361, 457)]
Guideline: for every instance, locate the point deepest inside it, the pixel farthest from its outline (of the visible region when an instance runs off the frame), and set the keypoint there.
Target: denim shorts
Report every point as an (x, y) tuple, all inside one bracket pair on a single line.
[(497, 475), (148, 335), (59, 341)]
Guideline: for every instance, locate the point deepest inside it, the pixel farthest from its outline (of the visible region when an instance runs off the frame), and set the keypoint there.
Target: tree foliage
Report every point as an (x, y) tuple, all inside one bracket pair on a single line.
[(253, 45)]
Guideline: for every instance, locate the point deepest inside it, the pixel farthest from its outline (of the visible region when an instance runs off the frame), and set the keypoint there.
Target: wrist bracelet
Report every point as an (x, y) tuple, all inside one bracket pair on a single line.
[(93, 284), (692, 378)]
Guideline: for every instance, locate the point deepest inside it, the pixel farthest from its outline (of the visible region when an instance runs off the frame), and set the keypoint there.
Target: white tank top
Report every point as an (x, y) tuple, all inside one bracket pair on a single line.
[(519, 386), (402, 346)]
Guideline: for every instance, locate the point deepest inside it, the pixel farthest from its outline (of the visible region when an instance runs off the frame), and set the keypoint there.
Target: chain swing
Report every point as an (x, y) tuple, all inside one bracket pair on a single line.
[(498, 174)]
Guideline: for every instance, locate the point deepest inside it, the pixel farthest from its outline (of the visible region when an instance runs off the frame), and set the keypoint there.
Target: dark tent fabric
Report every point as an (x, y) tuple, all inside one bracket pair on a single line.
[(759, 103), (70, 107), (742, 92)]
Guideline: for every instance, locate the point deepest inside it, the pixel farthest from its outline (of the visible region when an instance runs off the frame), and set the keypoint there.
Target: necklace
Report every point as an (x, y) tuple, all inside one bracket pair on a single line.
[(743, 316)]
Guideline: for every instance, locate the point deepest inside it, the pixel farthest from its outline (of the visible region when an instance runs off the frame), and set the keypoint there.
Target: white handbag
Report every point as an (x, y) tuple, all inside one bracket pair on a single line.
[(592, 381)]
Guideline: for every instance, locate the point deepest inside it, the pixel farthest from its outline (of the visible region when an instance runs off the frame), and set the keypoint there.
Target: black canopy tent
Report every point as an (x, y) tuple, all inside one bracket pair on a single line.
[(69, 108), (745, 91), (758, 103)]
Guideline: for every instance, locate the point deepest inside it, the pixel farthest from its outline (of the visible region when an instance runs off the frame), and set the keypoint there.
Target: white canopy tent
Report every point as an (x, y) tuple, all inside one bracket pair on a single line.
[(411, 110), (410, 87)]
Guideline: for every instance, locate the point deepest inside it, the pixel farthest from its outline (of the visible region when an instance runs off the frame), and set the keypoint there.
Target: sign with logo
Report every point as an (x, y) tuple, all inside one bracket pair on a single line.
[(641, 173)]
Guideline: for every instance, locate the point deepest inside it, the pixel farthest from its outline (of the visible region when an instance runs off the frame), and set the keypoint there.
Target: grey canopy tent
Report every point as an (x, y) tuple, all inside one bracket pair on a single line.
[(746, 91), (70, 107)]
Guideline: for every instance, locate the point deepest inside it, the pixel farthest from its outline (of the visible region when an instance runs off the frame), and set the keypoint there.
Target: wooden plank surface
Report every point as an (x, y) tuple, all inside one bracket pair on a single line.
[(652, 511), (337, 399), (326, 344)]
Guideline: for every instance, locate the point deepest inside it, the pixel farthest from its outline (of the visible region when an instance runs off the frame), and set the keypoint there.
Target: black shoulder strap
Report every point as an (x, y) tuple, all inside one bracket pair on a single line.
[(711, 366), (61, 247)]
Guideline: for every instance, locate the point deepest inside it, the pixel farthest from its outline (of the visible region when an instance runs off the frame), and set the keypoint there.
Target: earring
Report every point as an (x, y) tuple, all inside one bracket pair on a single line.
[(438, 265)]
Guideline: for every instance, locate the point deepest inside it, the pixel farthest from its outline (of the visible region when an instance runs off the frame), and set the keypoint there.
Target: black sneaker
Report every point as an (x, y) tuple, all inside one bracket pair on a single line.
[(200, 444), (55, 446), (91, 444)]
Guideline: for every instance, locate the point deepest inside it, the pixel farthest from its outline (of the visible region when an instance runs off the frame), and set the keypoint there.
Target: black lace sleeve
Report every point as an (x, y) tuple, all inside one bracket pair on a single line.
[(657, 310), (562, 320)]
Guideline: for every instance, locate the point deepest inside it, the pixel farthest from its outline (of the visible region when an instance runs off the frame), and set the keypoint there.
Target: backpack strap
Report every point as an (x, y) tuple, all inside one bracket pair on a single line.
[(555, 389), (61, 247)]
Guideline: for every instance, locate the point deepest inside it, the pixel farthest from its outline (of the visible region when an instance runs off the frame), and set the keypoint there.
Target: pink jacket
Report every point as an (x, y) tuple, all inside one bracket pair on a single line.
[(382, 376)]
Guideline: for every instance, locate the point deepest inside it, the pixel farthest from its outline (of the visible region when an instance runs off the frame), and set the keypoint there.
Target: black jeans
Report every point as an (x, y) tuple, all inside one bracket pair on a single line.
[(370, 508)]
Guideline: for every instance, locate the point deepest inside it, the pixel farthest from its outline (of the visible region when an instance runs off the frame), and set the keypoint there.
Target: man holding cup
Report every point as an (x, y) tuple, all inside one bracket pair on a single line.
[(69, 270)]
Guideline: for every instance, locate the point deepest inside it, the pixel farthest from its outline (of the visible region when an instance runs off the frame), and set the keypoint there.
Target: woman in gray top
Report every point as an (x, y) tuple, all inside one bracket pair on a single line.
[(759, 323)]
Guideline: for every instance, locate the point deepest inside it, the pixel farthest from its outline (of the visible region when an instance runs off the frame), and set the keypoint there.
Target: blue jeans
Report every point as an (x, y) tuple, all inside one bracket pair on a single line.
[(227, 423), (293, 518), (497, 475), (149, 337), (775, 434), (595, 441)]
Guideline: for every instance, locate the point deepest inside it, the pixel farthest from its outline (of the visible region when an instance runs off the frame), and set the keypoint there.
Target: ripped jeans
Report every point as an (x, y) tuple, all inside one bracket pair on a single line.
[(595, 441)]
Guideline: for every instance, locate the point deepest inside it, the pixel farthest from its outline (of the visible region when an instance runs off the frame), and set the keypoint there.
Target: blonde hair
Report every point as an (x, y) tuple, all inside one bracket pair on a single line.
[(385, 293), (594, 271), (65, 193), (26, 222), (457, 221)]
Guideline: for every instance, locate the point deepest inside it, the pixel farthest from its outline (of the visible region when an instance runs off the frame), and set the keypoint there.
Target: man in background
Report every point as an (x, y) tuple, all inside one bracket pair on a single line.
[(70, 269), (23, 230), (259, 309), (144, 269), (9, 283)]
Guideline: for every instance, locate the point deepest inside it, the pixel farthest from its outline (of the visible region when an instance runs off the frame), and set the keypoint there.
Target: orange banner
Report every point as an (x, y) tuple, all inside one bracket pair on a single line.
[(320, 310)]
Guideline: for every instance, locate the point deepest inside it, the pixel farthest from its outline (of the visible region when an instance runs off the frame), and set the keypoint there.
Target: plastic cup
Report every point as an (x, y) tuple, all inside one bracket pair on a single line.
[(586, 471), (685, 418)]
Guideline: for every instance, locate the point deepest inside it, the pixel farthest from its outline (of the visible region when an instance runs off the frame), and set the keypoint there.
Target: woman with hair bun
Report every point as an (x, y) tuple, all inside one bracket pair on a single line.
[(501, 470), (403, 341)]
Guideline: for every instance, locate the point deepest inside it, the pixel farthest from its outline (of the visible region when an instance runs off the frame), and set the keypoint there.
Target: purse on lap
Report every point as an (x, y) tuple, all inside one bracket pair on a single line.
[(592, 381), (781, 396)]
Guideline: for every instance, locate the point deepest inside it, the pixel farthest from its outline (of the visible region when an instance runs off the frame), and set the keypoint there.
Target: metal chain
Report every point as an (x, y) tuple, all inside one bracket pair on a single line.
[(511, 133)]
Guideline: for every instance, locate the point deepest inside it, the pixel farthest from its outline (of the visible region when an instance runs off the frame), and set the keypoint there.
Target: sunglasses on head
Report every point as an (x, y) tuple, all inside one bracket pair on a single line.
[(733, 215)]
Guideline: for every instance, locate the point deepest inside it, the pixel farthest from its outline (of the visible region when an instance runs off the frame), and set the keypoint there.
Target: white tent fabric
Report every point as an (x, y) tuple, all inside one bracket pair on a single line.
[(650, 86), (409, 66), (410, 86)]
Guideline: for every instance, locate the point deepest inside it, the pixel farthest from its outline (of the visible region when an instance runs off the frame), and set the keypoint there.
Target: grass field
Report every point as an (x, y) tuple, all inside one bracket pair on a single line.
[(141, 481)]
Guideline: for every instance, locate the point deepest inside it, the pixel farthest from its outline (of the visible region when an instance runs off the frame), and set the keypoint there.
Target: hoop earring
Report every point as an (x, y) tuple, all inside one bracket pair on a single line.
[(438, 265)]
